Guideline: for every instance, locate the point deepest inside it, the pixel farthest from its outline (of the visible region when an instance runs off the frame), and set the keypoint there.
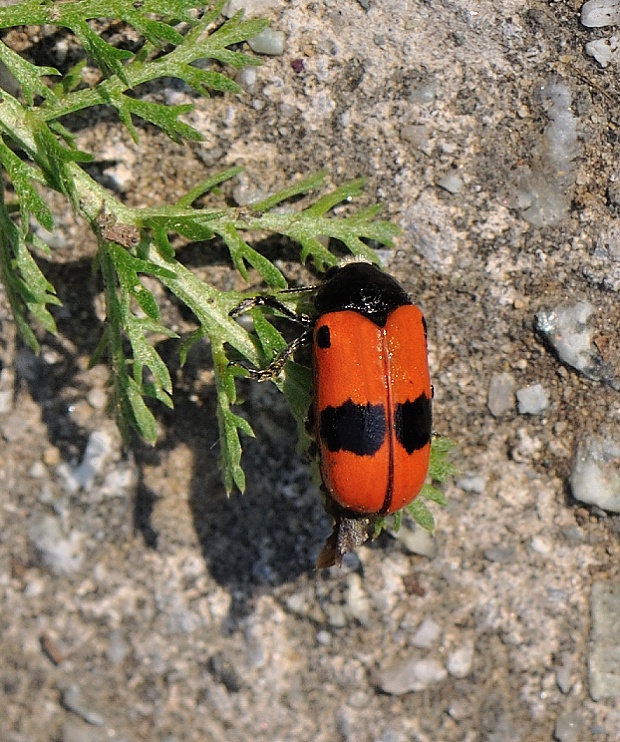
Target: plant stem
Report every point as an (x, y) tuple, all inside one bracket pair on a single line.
[(114, 330)]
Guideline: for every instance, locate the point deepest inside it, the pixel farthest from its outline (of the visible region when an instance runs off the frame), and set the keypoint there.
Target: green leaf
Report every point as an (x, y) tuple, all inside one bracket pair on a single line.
[(297, 388), (204, 80), (146, 355), (25, 332), (188, 343), (313, 247), (38, 285), (22, 177), (195, 226), (441, 468), (38, 244), (296, 189), (28, 75), (55, 161), (148, 325), (164, 117), (210, 14), (312, 223), (27, 289), (173, 8), (236, 30), (270, 339), (62, 14), (365, 215), (238, 60), (129, 266), (361, 250), (101, 348), (146, 301), (397, 521), (421, 515), (442, 445), (70, 80), (241, 253), (68, 138), (42, 316), (133, 315), (107, 57), (230, 425), (119, 101), (345, 192), (158, 33), (434, 495), (207, 185), (143, 419), (156, 392), (162, 243)]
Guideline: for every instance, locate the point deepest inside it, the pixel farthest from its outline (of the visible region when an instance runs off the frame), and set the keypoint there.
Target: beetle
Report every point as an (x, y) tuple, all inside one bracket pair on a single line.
[(372, 393)]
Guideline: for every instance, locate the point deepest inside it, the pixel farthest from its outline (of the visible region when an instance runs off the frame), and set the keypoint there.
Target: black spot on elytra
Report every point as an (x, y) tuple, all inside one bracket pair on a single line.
[(413, 422), (323, 338), (357, 428)]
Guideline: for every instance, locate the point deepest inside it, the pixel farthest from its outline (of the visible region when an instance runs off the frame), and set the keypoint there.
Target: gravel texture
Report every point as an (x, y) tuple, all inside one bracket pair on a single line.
[(138, 603)]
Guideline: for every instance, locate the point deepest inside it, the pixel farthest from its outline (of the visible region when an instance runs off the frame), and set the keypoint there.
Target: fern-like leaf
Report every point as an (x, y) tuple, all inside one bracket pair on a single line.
[(22, 177), (27, 74)]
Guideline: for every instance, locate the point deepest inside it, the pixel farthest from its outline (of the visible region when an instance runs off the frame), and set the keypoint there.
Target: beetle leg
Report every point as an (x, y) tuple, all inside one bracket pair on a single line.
[(273, 303), (274, 369)]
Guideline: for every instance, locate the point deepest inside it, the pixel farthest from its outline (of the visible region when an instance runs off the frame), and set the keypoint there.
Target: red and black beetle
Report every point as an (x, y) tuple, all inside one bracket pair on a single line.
[(371, 409)]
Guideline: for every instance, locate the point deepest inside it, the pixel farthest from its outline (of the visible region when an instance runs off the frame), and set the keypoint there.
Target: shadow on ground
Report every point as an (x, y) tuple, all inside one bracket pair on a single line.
[(249, 542)]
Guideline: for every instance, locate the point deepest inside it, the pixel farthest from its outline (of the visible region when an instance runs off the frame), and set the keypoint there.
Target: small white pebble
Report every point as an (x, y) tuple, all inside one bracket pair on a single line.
[(34, 588), (6, 401), (461, 660), (416, 540), (94, 461), (250, 8), (62, 554), (459, 709), (595, 478), (532, 400), (72, 700), (566, 329), (245, 193), (38, 470), (451, 183), (427, 634), (97, 399), (411, 675), (600, 13), (475, 483), (540, 546), (247, 77), (501, 397), (269, 42), (563, 673), (604, 51), (357, 599)]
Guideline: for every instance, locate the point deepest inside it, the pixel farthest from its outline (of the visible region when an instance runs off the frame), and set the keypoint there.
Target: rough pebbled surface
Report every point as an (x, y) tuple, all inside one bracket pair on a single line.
[(187, 617)]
